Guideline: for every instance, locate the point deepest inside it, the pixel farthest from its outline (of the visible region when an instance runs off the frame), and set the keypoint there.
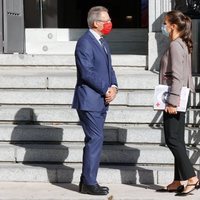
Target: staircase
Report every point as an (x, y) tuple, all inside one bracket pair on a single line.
[(41, 139)]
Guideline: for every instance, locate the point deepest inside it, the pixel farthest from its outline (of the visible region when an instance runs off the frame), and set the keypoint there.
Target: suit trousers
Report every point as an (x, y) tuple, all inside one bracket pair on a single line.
[(92, 124), (174, 130)]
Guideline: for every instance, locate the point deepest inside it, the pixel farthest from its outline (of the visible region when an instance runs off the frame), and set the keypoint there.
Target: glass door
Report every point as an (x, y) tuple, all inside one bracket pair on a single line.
[(73, 14)]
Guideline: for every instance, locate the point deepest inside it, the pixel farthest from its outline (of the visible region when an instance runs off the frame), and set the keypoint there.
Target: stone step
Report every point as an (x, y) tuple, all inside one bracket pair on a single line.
[(65, 97), (50, 69), (74, 133), (64, 114), (71, 152), (144, 98), (67, 80), (36, 96), (50, 133), (63, 60), (63, 41), (70, 173)]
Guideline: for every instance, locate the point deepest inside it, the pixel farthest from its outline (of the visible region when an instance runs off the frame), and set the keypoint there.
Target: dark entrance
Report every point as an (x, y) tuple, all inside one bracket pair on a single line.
[(73, 14)]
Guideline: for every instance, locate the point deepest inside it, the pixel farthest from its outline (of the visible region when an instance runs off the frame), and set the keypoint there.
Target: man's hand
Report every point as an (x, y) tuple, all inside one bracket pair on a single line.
[(110, 94), (171, 109)]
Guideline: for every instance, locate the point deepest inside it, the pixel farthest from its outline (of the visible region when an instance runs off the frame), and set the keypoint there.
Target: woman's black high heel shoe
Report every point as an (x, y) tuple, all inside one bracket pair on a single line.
[(178, 189), (196, 186)]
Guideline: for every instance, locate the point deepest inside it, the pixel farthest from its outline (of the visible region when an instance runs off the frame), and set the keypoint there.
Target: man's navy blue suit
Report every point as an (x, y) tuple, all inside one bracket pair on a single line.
[(94, 76)]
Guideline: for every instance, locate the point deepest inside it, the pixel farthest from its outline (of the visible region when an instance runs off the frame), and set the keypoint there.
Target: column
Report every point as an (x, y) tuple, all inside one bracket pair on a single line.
[(157, 42)]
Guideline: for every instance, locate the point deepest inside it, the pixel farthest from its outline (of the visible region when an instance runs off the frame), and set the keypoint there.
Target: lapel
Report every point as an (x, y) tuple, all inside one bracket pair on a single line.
[(107, 55), (98, 45)]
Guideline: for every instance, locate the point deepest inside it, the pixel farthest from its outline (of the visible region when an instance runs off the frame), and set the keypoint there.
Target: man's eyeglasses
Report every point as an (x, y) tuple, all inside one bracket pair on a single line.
[(109, 20)]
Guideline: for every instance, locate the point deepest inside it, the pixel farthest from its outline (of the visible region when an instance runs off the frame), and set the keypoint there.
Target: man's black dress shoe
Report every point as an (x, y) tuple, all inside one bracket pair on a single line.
[(101, 187), (92, 189)]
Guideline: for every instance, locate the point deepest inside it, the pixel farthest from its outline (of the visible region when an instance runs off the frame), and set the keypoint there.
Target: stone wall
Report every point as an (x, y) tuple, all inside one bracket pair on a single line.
[(157, 42)]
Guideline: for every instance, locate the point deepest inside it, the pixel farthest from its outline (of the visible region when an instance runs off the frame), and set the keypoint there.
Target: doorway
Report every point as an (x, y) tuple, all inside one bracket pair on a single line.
[(58, 24), (73, 14), (124, 14)]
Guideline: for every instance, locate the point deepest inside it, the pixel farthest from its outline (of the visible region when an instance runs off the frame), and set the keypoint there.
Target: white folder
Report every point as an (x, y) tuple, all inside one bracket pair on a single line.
[(161, 94)]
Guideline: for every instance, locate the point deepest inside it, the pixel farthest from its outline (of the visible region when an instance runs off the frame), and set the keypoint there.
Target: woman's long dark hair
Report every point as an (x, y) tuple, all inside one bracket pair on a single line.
[(184, 26)]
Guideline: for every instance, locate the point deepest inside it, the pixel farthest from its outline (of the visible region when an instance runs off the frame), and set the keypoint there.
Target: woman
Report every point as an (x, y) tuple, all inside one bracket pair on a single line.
[(175, 71)]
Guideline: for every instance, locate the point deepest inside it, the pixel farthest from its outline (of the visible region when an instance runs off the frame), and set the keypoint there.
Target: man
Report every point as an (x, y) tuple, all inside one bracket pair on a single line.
[(96, 87)]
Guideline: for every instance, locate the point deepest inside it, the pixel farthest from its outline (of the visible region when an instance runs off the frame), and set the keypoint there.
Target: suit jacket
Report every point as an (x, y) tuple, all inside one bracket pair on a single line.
[(175, 70), (94, 74)]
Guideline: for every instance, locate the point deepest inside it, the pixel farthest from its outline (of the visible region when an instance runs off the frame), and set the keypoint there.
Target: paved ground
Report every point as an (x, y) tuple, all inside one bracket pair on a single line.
[(46, 191)]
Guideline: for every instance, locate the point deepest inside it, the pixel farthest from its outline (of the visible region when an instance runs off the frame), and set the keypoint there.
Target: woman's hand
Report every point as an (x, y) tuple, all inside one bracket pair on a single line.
[(171, 109)]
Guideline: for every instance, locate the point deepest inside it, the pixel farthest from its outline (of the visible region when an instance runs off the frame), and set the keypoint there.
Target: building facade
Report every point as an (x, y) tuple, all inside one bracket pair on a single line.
[(54, 26), (40, 136)]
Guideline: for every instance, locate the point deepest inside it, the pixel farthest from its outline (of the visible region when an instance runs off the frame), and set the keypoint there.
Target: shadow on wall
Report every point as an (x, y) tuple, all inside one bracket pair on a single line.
[(193, 119), (157, 125), (124, 159), (160, 44), (121, 41), (192, 136), (40, 146), (192, 132)]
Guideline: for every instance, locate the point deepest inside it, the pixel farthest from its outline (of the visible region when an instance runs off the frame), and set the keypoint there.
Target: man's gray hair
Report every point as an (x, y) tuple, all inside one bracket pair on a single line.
[(94, 14)]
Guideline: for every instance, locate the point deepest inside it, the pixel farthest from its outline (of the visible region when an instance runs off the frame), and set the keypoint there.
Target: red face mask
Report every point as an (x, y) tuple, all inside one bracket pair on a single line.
[(107, 27)]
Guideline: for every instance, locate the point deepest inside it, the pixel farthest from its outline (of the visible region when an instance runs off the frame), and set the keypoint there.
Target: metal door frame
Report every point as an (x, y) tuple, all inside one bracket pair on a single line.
[(13, 26), (1, 26)]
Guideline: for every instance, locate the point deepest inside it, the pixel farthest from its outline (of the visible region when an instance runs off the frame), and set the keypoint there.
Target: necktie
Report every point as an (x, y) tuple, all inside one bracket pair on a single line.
[(103, 44)]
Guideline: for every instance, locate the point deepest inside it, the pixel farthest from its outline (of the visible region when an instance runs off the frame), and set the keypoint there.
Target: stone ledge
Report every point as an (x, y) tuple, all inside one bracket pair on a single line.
[(64, 114), (63, 60), (69, 152), (74, 133), (71, 174)]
